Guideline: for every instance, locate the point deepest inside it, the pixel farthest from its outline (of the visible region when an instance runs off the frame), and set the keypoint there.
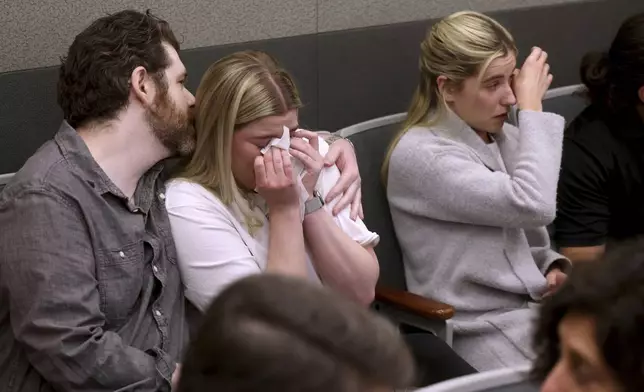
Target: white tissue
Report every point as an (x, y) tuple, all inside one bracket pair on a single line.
[(284, 143)]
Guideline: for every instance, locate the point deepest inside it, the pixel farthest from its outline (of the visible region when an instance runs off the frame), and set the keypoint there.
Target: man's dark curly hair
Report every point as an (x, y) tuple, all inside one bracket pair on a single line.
[(611, 291), (94, 77)]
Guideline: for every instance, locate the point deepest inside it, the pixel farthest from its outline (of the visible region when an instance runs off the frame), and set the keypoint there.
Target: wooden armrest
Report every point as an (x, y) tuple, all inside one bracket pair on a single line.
[(420, 306)]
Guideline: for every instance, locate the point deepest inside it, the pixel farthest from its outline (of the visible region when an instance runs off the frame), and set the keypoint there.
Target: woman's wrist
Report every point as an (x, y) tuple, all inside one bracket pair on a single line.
[(559, 264), (334, 137), (286, 210), (533, 106), (310, 194), (313, 204)]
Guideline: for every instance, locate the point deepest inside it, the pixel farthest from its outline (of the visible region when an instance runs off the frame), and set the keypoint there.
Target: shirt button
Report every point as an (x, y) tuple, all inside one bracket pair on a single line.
[(122, 254), (136, 210), (162, 196), (158, 313), (155, 269)]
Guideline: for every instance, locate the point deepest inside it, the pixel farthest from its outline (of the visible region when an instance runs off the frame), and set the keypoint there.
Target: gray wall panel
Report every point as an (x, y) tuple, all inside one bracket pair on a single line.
[(29, 114), (297, 54), (367, 73)]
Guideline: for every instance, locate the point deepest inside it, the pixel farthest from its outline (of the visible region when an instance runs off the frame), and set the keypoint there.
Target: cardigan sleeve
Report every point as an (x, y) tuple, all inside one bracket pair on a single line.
[(444, 181), (542, 253)]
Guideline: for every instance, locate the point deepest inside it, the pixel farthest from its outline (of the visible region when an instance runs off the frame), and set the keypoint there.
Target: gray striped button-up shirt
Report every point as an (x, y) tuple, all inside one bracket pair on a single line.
[(90, 292)]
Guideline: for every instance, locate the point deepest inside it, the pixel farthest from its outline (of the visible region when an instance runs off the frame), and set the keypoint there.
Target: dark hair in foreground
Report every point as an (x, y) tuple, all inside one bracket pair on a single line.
[(94, 78), (275, 333), (611, 291), (613, 78)]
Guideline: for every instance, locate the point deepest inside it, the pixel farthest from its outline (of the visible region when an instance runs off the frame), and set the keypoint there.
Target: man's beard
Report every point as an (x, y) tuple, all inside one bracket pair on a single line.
[(172, 127)]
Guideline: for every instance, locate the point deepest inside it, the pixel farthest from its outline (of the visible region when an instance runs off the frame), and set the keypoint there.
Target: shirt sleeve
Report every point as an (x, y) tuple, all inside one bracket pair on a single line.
[(582, 198), (48, 271), (211, 251), (357, 230)]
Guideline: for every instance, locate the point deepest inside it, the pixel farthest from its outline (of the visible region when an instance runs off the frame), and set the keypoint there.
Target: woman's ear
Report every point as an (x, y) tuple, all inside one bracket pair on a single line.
[(640, 94), (445, 88)]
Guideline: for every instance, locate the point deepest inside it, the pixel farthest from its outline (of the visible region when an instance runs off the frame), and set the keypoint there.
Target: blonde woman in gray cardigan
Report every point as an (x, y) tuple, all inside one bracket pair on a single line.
[(470, 195)]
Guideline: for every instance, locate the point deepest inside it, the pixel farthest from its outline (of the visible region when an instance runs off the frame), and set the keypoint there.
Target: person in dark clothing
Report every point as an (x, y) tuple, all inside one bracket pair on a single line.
[(601, 184)]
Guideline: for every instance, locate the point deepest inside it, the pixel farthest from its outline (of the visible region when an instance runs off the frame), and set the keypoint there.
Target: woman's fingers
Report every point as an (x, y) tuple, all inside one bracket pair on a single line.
[(533, 80), (260, 172), (306, 148), (356, 206), (268, 163), (311, 136), (287, 166), (277, 167), (546, 70), (278, 163), (544, 77), (534, 56), (346, 199), (306, 160)]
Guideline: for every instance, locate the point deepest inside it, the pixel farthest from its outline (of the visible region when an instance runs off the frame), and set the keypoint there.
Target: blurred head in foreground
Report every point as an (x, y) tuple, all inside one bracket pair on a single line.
[(590, 335), (275, 333)]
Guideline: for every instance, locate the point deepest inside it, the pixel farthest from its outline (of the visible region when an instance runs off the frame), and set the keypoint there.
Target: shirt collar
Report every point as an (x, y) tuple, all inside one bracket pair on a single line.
[(451, 126), (75, 151)]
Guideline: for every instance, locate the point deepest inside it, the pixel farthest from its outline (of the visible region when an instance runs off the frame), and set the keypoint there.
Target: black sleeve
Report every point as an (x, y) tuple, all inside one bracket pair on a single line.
[(582, 197)]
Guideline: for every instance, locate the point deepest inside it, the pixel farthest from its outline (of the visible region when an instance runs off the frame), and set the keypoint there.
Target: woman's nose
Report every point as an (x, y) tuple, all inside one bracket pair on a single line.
[(509, 99)]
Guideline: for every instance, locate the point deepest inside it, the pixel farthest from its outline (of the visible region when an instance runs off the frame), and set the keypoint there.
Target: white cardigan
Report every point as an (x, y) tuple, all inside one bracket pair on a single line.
[(472, 232)]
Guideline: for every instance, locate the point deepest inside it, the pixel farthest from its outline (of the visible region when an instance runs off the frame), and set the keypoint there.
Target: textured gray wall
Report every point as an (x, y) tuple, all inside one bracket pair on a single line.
[(35, 33), (347, 14)]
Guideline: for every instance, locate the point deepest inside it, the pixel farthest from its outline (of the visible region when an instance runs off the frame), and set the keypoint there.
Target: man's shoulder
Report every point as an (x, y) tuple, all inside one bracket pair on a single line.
[(589, 138), (46, 171), (591, 125)]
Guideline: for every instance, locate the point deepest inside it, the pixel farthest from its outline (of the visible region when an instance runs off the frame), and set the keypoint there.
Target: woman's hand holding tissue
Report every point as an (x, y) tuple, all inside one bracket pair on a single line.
[(342, 154), (308, 154), (275, 181)]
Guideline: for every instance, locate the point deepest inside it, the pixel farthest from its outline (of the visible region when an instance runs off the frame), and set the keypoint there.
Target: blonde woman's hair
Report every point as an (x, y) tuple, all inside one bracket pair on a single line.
[(234, 91), (459, 46)]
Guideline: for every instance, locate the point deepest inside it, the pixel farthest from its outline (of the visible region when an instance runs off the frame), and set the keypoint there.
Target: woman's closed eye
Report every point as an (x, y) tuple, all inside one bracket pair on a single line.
[(493, 85), (263, 142)]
